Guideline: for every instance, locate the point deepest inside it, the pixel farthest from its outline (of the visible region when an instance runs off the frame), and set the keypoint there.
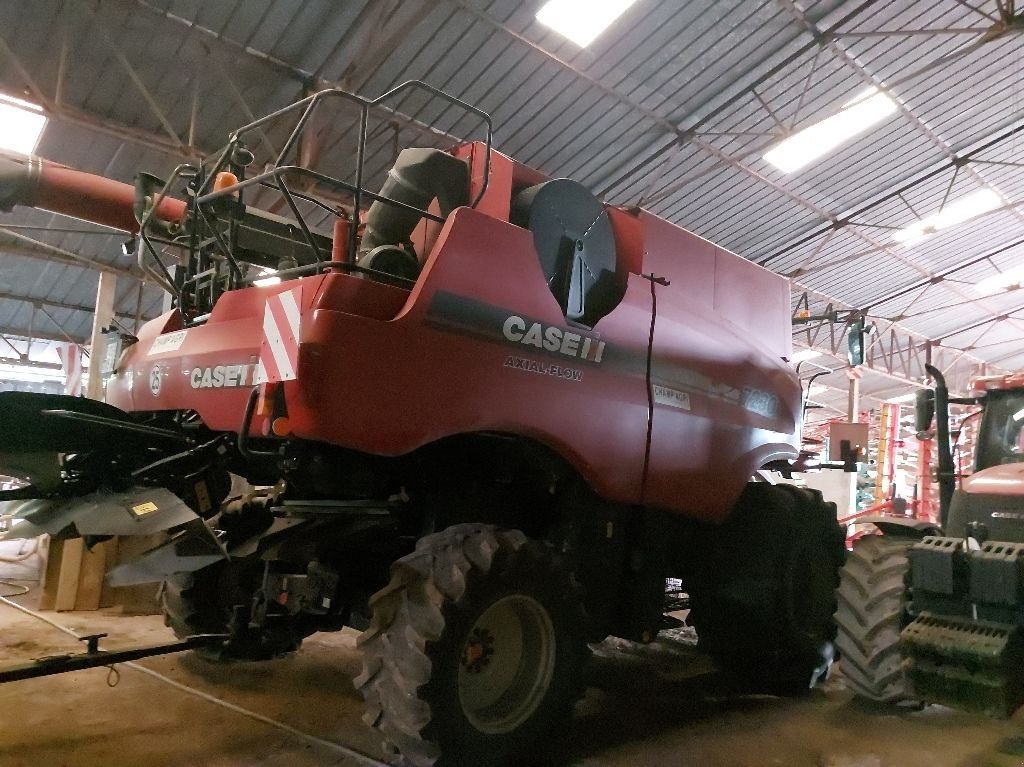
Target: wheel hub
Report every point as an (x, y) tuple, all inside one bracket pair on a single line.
[(506, 664), (476, 655)]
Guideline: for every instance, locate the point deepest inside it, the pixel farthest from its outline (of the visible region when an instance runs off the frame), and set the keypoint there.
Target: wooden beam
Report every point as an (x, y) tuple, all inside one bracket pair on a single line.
[(69, 565), (90, 582)]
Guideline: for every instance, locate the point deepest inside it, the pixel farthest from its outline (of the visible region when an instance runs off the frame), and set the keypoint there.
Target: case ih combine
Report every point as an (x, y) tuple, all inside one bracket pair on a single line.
[(933, 613), (487, 417)]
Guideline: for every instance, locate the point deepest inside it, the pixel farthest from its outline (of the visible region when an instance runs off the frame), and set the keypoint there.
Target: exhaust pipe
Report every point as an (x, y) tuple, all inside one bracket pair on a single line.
[(943, 450)]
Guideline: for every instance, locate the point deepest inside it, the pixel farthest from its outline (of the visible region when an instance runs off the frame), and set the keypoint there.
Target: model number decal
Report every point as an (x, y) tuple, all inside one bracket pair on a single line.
[(663, 395), (168, 342), (760, 402), (220, 377)]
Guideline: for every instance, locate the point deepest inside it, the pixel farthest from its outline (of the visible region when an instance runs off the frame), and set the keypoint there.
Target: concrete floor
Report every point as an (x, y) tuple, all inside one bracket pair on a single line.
[(656, 705)]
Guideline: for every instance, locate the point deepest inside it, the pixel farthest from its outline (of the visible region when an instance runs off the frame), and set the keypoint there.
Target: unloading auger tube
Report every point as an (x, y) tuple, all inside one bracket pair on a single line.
[(37, 183)]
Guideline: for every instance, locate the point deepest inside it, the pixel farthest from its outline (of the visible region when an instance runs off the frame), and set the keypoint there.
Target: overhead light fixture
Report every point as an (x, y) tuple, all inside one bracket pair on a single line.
[(952, 214), (803, 355), (267, 277), (1011, 278), (27, 374), (581, 20), (21, 125), (807, 145), (902, 398)]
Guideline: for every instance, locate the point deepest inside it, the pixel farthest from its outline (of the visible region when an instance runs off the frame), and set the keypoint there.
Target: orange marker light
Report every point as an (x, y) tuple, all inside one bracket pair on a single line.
[(282, 426), (223, 180)]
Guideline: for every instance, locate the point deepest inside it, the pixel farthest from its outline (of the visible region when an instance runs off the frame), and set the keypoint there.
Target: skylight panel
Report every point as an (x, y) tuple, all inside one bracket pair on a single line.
[(1011, 278), (807, 145), (581, 20), (954, 213), (21, 125)]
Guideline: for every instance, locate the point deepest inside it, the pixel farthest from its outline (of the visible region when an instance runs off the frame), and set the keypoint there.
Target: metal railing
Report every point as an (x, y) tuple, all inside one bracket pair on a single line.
[(202, 227)]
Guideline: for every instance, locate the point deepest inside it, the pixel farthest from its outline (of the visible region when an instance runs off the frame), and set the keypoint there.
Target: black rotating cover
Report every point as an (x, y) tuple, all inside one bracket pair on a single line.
[(575, 244)]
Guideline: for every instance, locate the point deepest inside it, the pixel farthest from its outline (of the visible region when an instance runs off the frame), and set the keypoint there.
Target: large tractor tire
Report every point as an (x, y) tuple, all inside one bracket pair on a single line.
[(475, 649), (872, 598), (202, 603), (762, 589)]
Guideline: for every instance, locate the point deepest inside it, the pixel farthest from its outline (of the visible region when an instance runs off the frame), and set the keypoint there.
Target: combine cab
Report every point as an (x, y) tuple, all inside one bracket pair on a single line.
[(934, 614), (481, 415)]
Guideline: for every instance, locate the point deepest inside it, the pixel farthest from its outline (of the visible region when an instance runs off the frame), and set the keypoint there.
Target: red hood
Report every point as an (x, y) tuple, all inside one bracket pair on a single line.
[(1007, 479)]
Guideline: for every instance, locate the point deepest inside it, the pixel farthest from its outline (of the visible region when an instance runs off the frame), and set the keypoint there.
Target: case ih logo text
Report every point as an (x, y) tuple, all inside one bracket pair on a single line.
[(453, 313), (552, 339), (219, 377)]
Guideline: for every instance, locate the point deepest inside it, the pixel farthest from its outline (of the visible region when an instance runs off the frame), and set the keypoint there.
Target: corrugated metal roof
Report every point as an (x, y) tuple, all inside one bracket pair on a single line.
[(617, 116)]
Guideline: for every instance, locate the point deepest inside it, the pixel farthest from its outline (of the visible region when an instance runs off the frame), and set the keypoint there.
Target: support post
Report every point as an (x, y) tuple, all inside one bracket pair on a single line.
[(888, 435), (71, 361), (853, 402), (105, 294), (925, 489), (78, 585), (852, 416)]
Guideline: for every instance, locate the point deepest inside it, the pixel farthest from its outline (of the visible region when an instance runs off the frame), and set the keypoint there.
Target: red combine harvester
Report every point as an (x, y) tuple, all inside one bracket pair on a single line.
[(487, 417)]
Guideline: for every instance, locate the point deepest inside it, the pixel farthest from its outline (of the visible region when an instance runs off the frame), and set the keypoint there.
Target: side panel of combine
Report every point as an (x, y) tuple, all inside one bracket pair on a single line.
[(724, 400), (483, 342)]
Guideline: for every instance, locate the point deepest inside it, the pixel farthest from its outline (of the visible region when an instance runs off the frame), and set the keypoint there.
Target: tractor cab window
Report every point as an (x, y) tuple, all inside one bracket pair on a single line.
[(1002, 429)]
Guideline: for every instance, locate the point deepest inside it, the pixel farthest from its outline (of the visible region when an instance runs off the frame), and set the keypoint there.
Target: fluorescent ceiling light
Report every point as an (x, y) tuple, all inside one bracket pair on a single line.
[(29, 374), (581, 20), (803, 355), (21, 125), (814, 141), (1011, 278), (952, 214), (265, 281), (902, 398)]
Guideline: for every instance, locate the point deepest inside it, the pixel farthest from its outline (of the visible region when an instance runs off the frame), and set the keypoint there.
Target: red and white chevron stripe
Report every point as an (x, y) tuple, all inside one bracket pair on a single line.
[(71, 360), (279, 351)]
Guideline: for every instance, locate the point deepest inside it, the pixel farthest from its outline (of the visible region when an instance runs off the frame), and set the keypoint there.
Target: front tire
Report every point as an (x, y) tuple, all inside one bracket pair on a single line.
[(202, 602), (762, 589), (475, 649), (872, 599)]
